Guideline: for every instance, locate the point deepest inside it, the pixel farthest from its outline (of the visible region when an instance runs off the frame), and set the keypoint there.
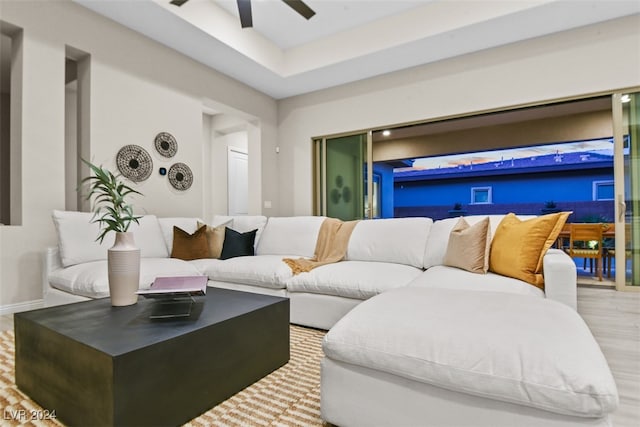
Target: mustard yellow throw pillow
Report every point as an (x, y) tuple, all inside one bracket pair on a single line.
[(518, 247), (469, 246), (215, 238)]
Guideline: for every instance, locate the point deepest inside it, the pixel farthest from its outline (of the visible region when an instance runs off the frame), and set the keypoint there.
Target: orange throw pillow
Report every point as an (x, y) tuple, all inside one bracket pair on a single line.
[(518, 247)]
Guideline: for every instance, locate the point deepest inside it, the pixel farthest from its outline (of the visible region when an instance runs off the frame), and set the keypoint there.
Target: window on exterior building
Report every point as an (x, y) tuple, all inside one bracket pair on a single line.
[(481, 195), (603, 190)]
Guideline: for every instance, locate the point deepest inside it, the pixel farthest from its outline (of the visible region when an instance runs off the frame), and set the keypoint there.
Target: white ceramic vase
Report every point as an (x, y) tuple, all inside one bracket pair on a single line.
[(124, 270)]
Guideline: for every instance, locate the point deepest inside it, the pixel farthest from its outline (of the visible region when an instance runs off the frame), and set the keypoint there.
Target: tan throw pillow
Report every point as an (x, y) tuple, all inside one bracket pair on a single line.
[(215, 238), (469, 246), (518, 247), (189, 246)]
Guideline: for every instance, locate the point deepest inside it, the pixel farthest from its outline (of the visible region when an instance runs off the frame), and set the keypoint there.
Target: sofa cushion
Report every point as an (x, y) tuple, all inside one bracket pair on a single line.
[(353, 279), (77, 237), (445, 277), (518, 247), (527, 351), (268, 271), (395, 240), (90, 279), (468, 246), (290, 235), (190, 246), (439, 235)]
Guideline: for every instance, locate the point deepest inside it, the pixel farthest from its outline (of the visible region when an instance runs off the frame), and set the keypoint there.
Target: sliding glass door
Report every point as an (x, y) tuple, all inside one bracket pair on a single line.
[(341, 175), (345, 175), (626, 114)]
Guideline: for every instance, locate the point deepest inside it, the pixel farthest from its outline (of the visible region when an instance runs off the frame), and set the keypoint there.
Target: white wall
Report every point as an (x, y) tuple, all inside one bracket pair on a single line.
[(595, 59), (138, 88)]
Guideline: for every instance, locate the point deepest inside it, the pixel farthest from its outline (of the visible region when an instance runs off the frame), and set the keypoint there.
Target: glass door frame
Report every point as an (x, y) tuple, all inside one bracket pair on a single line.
[(619, 184), (369, 195)]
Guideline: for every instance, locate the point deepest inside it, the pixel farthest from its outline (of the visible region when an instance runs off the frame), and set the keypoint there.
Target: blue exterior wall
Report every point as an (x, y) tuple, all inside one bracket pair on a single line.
[(568, 186)]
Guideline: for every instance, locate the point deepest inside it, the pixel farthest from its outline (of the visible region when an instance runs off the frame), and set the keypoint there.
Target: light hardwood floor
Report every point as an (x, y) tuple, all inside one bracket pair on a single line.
[(614, 320)]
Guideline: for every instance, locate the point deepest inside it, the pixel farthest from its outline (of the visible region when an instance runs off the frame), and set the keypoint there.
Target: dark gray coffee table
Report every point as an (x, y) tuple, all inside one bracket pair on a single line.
[(100, 365)]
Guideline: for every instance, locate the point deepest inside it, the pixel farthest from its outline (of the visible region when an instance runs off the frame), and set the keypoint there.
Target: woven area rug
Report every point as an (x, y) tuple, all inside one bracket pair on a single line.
[(289, 396)]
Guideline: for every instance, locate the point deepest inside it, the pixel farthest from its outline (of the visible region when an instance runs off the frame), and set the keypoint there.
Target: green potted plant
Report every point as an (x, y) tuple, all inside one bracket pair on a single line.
[(457, 210), (107, 192), (550, 207)]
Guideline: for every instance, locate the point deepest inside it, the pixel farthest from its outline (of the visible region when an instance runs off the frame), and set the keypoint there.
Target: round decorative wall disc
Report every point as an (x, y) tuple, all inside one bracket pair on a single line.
[(166, 144), (180, 176), (134, 163)]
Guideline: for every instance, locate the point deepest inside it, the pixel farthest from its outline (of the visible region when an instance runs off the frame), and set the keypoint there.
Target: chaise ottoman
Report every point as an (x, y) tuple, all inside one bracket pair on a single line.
[(443, 357)]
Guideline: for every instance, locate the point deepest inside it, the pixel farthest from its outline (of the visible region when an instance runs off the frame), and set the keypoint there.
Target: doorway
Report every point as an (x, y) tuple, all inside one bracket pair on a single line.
[(237, 181), (231, 153)]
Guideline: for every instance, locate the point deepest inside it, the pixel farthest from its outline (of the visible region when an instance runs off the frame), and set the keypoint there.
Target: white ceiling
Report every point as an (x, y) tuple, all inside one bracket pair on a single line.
[(347, 40), (279, 23)]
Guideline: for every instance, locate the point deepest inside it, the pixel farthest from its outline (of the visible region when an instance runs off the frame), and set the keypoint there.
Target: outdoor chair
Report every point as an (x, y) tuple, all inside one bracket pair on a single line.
[(585, 241), (610, 252)]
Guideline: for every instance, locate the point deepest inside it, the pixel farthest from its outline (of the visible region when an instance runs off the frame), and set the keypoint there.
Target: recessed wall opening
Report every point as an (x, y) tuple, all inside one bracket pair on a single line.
[(10, 124), (77, 113), (5, 127)]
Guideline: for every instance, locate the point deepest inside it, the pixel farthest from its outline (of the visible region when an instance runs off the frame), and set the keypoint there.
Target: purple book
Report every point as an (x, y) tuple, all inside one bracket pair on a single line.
[(191, 285)]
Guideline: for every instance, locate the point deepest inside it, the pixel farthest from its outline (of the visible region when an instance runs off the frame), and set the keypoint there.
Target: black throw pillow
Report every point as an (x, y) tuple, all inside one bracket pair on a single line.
[(237, 244)]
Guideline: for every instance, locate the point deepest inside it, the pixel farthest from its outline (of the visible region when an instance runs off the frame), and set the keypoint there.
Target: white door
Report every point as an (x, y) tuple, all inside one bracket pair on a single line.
[(238, 182)]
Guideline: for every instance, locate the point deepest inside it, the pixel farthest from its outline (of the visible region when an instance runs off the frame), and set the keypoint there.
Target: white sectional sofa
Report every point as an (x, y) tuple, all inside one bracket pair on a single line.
[(391, 292), (382, 255)]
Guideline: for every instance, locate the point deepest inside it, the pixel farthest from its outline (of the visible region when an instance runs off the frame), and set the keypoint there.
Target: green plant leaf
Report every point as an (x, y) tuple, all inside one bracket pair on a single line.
[(107, 193)]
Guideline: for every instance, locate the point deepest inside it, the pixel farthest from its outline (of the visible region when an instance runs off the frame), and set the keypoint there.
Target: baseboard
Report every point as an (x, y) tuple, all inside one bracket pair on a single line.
[(21, 306)]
